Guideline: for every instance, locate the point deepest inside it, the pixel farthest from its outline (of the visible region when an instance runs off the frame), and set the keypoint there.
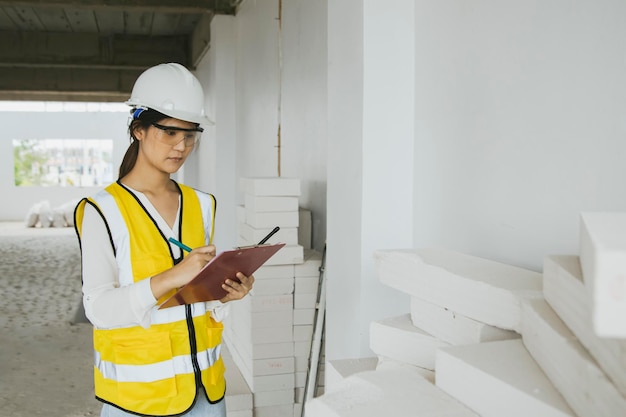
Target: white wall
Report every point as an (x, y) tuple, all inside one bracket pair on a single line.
[(370, 163), (304, 106), (217, 170), (521, 123), (275, 77), (53, 125), (344, 334), (258, 89)]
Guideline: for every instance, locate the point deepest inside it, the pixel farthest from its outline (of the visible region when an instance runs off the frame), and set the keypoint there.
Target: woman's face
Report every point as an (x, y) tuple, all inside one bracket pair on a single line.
[(167, 143)]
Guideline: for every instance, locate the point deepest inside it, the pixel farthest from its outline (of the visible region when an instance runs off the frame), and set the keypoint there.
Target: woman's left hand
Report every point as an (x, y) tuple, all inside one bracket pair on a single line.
[(237, 290)]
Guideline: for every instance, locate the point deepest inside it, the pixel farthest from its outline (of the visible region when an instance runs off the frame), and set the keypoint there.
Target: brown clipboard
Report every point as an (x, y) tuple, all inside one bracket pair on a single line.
[(207, 285)]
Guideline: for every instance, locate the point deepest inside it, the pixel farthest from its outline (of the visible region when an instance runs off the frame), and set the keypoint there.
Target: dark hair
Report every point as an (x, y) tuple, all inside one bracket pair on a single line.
[(144, 120)]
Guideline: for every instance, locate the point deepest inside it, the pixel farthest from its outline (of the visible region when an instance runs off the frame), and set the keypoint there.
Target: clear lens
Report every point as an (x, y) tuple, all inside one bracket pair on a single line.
[(172, 135)]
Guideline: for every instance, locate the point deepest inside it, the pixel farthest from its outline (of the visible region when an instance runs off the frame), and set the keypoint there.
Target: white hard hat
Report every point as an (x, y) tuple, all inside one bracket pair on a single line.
[(172, 90)]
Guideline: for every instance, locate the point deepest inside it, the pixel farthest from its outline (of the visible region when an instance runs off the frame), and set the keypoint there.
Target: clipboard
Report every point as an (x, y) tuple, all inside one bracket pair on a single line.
[(207, 285)]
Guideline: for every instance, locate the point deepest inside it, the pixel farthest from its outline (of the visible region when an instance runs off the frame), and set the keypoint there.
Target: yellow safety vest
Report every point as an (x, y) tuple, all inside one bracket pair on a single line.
[(155, 371)]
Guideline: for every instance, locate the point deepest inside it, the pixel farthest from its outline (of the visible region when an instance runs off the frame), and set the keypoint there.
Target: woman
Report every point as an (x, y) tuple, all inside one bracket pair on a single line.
[(150, 361)]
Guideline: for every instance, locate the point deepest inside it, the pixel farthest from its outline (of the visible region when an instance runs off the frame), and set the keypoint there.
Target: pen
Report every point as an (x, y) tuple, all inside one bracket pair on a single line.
[(180, 245), (270, 234), (188, 249)]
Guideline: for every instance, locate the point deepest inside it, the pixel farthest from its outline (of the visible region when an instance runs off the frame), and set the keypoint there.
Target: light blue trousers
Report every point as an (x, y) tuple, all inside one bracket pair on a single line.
[(202, 408)]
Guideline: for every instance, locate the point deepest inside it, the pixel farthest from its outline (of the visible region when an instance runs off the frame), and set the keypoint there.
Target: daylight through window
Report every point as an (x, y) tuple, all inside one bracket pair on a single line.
[(62, 162)]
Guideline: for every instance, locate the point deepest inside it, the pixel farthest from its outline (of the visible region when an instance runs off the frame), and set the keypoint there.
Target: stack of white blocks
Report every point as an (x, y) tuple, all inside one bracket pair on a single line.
[(269, 333), (603, 260), (463, 333)]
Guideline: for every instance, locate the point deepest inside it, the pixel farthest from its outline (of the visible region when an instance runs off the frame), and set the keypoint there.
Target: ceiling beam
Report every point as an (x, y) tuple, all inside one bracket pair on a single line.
[(82, 66), (200, 40), (158, 6), (67, 84), (38, 49)]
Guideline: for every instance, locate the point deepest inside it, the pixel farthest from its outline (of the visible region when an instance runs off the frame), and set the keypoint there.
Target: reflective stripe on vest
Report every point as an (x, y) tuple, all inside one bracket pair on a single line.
[(156, 371), (153, 371)]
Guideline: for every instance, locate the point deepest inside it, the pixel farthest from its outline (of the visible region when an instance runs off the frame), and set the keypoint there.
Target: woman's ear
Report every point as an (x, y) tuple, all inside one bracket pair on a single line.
[(138, 131)]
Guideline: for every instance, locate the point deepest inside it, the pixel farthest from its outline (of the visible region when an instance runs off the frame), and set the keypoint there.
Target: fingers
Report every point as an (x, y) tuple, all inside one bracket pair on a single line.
[(237, 289), (210, 250), (204, 254), (207, 250), (245, 282)]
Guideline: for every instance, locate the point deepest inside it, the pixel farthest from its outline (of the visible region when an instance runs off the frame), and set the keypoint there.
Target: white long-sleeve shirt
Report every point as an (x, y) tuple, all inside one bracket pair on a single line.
[(107, 305)]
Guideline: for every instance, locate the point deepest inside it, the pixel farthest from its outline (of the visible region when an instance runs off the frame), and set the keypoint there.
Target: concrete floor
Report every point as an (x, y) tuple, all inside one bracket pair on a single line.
[(45, 360)]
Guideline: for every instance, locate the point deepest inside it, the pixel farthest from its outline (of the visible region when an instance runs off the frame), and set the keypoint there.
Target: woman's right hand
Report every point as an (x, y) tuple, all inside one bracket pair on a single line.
[(183, 272)]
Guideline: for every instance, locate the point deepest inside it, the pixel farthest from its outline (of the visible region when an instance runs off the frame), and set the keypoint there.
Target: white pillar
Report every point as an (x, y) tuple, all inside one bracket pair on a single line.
[(217, 170), (370, 163)]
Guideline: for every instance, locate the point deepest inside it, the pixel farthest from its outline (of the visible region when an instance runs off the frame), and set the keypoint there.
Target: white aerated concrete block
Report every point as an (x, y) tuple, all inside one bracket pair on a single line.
[(576, 375), (301, 363), (271, 333), (483, 290), (603, 261), (303, 316), (246, 413), (277, 318), (306, 285), (393, 393), (454, 328), (339, 369), (267, 398), (275, 334), (263, 204), (273, 366), (286, 235), (499, 378), (272, 350), (385, 363), (270, 302), (397, 338), (288, 254), (239, 396), (302, 333), (301, 348), (297, 409), (274, 382), (242, 242), (302, 300), (274, 271), (272, 219), (305, 228), (300, 378), (565, 291), (310, 267), (250, 351), (276, 286), (241, 214), (253, 369), (284, 410), (270, 186), (299, 395)]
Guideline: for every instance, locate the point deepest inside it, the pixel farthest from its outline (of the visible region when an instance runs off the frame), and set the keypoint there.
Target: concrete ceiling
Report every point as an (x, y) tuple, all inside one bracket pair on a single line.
[(93, 50)]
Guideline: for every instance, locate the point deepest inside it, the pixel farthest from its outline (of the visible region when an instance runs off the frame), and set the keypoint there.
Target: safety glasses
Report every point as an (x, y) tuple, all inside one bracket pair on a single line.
[(172, 135)]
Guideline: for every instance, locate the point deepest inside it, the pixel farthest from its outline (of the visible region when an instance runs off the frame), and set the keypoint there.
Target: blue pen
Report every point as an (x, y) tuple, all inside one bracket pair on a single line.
[(180, 245)]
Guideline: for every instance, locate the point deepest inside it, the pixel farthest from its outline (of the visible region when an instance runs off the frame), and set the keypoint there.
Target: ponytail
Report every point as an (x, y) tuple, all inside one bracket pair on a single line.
[(130, 157)]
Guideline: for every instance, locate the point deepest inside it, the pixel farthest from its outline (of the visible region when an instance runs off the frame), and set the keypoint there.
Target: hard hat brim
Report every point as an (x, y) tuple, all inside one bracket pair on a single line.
[(176, 114)]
